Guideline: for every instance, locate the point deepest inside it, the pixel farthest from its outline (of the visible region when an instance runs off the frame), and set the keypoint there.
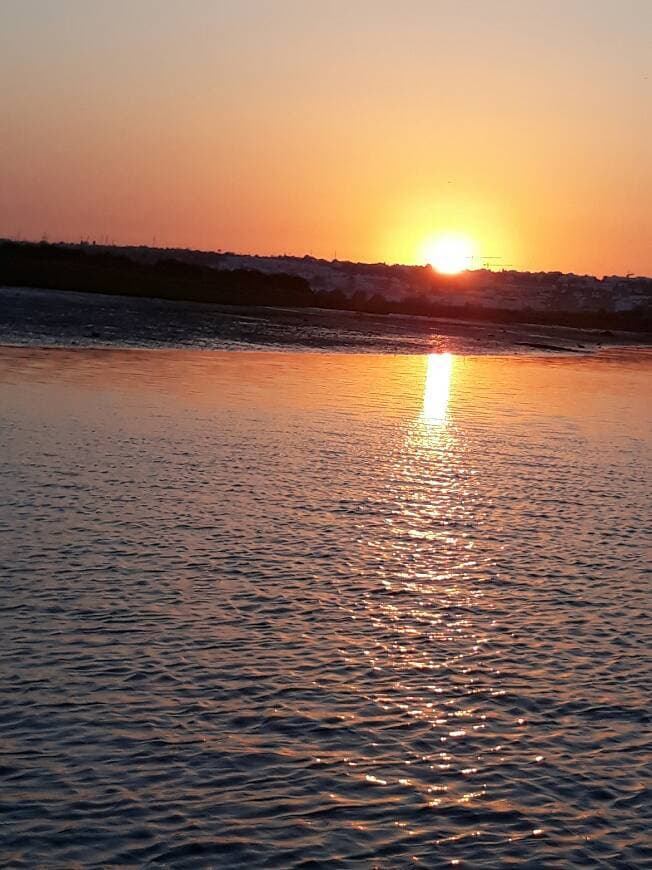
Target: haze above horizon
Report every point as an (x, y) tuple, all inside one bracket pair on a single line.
[(363, 130)]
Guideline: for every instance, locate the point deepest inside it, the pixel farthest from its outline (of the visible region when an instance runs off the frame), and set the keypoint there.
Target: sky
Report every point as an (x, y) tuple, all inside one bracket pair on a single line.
[(356, 129)]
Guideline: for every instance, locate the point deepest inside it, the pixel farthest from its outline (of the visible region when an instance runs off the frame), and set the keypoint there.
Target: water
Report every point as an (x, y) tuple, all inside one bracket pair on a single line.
[(295, 609), (61, 319)]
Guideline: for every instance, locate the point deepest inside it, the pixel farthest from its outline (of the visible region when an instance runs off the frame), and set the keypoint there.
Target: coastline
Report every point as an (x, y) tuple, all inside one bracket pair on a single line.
[(62, 318), (516, 300)]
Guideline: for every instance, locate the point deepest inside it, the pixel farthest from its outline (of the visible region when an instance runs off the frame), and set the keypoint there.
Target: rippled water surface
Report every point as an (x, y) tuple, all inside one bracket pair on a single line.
[(293, 609)]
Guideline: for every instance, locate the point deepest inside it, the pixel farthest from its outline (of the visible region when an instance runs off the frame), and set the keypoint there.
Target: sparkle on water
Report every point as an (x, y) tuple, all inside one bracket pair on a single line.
[(268, 609), (437, 387)]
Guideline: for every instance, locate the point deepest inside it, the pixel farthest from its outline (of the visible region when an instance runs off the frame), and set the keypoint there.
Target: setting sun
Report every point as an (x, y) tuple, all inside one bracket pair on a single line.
[(449, 254)]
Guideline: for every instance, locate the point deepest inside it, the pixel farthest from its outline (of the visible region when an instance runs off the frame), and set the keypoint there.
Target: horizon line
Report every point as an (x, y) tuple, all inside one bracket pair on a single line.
[(88, 242)]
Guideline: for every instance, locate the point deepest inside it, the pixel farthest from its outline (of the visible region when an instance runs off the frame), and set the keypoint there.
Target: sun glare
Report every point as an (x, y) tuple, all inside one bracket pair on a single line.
[(449, 254), (437, 387)]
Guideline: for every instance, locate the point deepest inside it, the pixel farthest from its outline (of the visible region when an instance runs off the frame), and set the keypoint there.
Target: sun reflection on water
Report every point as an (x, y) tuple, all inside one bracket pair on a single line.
[(436, 390)]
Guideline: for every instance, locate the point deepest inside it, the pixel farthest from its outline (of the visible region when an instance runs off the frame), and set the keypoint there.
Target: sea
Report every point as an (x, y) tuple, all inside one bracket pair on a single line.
[(314, 591)]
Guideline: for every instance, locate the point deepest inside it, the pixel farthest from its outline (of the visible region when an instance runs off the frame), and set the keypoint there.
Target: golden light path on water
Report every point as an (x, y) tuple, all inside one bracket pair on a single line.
[(432, 616), (437, 386)]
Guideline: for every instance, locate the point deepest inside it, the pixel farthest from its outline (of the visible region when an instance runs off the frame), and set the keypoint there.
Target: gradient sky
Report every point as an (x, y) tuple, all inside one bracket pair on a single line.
[(356, 128)]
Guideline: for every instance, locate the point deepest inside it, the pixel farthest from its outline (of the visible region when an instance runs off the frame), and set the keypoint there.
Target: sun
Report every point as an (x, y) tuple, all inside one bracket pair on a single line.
[(449, 254)]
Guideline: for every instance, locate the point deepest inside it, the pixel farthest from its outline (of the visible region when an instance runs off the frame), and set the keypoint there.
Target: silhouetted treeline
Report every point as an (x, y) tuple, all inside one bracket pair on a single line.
[(62, 267), (57, 267), (635, 321)]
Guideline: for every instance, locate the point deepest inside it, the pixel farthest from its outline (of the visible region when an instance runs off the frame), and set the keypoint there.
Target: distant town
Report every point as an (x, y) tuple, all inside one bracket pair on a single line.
[(623, 302), (481, 288)]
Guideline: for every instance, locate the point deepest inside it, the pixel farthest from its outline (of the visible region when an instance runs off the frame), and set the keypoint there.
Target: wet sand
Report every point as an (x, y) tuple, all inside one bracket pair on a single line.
[(54, 318)]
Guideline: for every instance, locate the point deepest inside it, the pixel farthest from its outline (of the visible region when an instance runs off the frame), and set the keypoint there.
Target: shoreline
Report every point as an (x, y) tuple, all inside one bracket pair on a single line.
[(49, 319), (172, 276)]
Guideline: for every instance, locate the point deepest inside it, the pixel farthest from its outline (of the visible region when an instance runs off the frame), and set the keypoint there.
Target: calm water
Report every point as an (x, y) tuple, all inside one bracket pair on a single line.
[(294, 609)]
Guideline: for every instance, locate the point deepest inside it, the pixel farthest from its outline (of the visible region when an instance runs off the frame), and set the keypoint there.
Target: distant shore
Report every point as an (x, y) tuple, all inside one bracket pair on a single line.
[(73, 268)]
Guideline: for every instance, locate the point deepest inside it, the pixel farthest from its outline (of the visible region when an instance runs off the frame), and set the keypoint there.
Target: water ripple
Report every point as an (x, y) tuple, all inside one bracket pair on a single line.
[(263, 610)]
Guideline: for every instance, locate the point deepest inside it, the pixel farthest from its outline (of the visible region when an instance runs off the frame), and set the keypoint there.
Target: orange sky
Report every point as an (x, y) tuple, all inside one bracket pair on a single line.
[(359, 128)]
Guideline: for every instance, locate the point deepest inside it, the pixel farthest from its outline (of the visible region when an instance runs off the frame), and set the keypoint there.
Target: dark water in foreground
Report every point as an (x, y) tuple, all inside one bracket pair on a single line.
[(278, 610)]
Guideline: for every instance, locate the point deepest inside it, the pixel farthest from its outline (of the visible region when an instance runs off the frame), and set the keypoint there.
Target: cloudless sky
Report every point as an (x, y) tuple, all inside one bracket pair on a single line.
[(360, 128)]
